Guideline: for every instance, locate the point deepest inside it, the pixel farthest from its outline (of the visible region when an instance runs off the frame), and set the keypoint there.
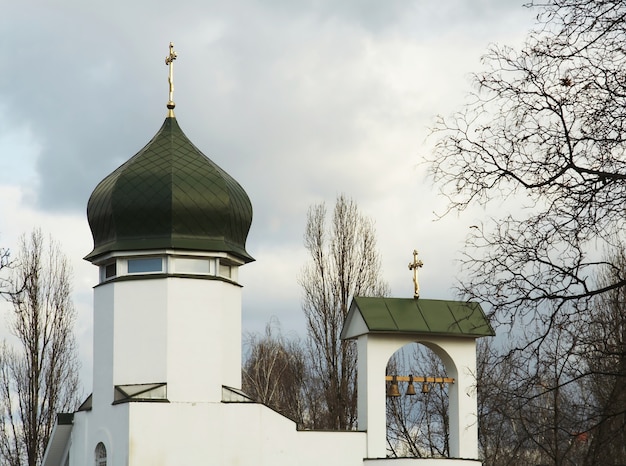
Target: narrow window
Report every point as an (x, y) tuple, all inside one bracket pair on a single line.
[(110, 270), (193, 266), (151, 264), (101, 455), (225, 270)]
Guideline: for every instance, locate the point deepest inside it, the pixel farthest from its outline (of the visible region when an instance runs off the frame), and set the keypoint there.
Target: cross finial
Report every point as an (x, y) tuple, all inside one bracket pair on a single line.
[(169, 61), (416, 264)]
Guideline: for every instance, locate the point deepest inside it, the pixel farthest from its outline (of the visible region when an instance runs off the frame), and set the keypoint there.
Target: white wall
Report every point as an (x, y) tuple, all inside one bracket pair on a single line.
[(203, 338), (233, 434), (103, 319), (108, 425), (185, 332), (140, 331)]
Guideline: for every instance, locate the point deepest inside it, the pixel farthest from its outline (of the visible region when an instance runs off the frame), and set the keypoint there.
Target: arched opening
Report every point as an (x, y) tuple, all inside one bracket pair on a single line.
[(417, 406), (100, 455)]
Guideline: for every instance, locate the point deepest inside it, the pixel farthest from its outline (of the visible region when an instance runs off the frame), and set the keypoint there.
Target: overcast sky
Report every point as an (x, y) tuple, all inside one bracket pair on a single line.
[(299, 100)]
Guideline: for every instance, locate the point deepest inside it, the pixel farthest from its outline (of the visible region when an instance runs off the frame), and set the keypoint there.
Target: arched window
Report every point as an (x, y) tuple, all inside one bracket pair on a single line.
[(101, 455)]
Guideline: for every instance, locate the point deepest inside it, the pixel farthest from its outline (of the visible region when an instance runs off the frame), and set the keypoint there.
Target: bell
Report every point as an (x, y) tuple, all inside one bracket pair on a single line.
[(410, 390), (425, 387), (393, 388)]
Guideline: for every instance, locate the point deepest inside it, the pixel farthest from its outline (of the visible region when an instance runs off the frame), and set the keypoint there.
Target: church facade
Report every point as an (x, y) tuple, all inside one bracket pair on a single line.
[(169, 229)]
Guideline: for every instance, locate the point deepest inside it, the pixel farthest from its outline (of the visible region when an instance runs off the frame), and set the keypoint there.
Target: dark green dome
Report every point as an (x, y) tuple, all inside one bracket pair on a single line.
[(169, 195)]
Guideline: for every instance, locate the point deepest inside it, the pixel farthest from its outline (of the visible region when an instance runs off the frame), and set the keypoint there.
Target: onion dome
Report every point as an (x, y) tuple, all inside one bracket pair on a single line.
[(169, 196)]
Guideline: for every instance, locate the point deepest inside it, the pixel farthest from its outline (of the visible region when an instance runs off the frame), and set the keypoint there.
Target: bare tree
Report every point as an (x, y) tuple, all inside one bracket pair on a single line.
[(344, 263), (498, 432), (275, 373), (546, 129), (39, 374), (532, 410), (544, 137), (603, 350)]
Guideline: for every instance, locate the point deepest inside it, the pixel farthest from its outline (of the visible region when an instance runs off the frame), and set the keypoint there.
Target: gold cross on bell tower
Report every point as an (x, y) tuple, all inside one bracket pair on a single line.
[(169, 61), (416, 264)]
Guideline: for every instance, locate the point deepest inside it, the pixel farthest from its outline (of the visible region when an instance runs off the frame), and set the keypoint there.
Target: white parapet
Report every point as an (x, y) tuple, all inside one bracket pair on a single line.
[(421, 462)]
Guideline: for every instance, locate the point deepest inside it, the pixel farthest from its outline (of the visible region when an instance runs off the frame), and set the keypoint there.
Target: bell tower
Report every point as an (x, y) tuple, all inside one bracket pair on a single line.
[(382, 325)]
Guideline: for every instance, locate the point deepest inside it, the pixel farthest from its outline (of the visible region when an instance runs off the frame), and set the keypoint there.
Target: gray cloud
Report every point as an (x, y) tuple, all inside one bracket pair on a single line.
[(299, 101)]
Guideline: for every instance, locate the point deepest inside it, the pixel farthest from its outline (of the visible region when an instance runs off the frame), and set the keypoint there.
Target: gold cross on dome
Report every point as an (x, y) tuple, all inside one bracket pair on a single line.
[(169, 61), (416, 264)]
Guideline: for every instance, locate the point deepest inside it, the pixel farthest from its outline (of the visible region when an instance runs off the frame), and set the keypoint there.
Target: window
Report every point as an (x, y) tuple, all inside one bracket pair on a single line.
[(101, 455), (110, 270), (193, 266), (225, 270), (140, 392), (151, 264)]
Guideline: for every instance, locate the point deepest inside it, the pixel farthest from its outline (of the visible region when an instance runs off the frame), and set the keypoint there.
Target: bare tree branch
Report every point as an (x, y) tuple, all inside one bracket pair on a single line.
[(545, 133), (39, 377), (546, 127)]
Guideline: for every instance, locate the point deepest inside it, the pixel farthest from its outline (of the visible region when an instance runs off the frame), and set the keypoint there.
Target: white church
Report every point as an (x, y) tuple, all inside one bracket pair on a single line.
[(169, 228)]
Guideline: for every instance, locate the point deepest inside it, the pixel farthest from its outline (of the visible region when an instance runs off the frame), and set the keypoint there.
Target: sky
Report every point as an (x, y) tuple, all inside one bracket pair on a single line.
[(298, 100)]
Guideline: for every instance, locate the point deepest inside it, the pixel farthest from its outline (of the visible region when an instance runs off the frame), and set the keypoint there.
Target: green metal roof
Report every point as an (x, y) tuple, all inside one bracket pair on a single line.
[(420, 316), (169, 195)]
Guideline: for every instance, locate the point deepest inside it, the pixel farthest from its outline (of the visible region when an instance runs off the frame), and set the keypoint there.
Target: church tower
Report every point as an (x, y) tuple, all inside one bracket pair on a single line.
[(169, 228)]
